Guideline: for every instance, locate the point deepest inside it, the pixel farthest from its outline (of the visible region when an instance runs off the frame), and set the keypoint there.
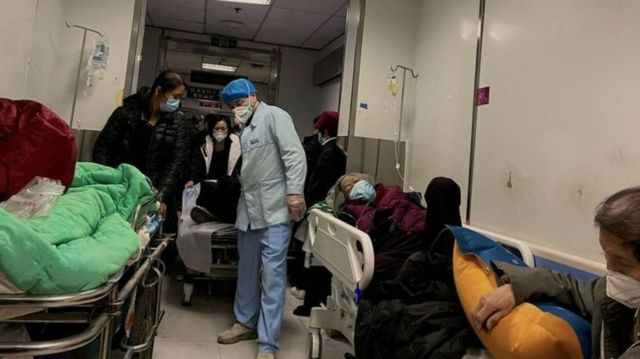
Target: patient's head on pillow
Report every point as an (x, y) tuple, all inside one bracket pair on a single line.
[(352, 186)]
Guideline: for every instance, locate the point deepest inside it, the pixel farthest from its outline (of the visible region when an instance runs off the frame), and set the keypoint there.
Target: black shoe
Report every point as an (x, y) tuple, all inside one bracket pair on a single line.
[(302, 311), (200, 215)]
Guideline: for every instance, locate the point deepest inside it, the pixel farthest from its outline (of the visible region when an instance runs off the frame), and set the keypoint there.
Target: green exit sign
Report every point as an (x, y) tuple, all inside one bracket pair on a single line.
[(224, 42)]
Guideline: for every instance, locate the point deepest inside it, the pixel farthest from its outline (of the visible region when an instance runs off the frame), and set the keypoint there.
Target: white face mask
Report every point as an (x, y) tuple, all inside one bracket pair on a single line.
[(243, 114), (623, 289), (219, 136)]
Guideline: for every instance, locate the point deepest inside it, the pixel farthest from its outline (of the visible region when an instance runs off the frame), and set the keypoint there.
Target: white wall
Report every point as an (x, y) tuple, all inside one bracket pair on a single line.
[(40, 55), (47, 39), (17, 18), (94, 104), (297, 94), (329, 96), (562, 123), (439, 133), (388, 40), (560, 131)]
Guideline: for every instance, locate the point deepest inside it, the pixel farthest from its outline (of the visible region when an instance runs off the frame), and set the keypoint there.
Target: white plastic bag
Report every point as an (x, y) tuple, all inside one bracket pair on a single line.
[(36, 199), (189, 197)]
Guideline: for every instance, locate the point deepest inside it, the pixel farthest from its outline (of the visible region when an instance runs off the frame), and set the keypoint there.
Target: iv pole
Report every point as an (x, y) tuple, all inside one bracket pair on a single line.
[(399, 138), (84, 42), (404, 78)]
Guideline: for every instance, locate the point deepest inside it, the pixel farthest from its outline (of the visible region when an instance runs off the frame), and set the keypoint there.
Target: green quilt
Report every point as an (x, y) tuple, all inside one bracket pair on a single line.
[(83, 241)]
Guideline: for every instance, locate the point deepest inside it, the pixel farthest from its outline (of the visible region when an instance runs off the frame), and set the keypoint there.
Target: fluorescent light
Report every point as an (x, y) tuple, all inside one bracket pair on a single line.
[(256, 2), (217, 67)]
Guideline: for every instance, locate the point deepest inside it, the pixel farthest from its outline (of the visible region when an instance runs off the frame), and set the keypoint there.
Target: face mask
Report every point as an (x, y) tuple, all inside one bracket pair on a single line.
[(363, 190), (243, 114), (219, 136), (320, 139), (170, 106), (624, 290)]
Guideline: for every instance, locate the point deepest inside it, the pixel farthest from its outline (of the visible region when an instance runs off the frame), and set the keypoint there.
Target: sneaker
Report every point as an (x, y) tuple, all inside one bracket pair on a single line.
[(200, 215), (237, 333), (298, 293), (263, 355)]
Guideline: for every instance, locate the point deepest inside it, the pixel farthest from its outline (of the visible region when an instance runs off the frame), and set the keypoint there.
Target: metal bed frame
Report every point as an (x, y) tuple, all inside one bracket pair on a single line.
[(97, 308), (220, 269)]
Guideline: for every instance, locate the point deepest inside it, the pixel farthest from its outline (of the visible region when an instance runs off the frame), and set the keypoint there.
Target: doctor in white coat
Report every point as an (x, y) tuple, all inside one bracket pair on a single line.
[(272, 178)]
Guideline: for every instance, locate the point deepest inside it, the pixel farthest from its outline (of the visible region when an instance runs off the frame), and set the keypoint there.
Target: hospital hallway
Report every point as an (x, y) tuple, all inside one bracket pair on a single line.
[(191, 332)]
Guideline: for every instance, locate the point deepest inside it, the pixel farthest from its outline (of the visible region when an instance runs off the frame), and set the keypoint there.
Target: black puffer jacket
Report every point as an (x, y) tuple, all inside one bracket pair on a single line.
[(329, 166), (415, 316), (168, 144)]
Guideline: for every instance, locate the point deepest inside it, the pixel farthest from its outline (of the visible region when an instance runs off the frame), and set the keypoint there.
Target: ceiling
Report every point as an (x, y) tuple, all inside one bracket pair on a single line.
[(311, 24), (255, 66)]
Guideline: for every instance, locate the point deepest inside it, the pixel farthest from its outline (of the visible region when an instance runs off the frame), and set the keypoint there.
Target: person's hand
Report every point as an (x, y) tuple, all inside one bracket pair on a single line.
[(162, 210), (296, 206), (493, 307), (189, 184)]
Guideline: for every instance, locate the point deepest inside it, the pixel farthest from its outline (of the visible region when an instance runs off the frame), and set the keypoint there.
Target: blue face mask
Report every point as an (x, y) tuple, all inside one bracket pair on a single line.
[(170, 106), (363, 190)]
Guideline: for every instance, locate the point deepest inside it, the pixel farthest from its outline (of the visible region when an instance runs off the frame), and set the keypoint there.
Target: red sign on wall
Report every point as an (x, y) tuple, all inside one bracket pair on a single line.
[(482, 97)]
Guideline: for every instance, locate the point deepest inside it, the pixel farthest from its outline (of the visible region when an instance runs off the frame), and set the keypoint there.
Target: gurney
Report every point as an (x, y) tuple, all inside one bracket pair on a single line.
[(137, 287), (208, 250)]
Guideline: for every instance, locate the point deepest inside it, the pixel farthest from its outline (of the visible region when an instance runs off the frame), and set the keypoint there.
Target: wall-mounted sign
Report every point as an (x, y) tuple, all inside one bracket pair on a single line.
[(224, 42), (482, 97), (210, 104), (201, 93)]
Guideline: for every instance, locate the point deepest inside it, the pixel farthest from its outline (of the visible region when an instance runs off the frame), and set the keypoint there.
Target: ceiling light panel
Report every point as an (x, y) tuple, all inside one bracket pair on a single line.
[(218, 67), (255, 2)]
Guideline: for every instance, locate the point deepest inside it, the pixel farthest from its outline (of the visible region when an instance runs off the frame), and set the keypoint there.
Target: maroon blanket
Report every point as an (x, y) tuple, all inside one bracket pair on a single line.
[(408, 216)]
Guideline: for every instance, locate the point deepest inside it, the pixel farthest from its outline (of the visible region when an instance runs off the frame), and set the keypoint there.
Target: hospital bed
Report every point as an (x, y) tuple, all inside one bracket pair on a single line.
[(135, 289), (347, 253)]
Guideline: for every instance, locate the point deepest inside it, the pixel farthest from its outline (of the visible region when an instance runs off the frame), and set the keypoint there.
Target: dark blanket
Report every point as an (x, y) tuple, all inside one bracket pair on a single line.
[(416, 315), (220, 198)]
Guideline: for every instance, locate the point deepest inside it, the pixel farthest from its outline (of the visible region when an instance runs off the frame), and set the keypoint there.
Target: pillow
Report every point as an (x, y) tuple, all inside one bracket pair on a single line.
[(530, 331)]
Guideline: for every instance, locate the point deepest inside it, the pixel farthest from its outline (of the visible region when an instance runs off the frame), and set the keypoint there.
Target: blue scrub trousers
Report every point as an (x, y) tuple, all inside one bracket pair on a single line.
[(262, 282)]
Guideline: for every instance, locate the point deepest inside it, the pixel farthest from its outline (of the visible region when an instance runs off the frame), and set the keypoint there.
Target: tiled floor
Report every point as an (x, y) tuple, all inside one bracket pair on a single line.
[(191, 332)]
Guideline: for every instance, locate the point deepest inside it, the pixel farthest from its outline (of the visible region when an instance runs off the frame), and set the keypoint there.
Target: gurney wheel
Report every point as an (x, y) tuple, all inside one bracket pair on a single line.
[(314, 346)]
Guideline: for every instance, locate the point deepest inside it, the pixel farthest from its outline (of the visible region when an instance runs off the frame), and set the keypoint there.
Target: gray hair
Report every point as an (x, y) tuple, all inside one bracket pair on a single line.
[(620, 215), (336, 199)]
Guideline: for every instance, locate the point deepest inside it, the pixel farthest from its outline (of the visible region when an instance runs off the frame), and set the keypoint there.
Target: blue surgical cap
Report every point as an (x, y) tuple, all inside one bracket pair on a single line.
[(237, 89)]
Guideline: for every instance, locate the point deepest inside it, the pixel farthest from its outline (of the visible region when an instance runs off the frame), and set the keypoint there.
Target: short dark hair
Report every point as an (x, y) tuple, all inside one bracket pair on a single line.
[(620, 215), (168, 80), (212, 120)]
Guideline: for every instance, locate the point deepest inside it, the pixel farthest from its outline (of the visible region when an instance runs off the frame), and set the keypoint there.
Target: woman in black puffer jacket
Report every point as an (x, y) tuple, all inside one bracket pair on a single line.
[(149, 132)]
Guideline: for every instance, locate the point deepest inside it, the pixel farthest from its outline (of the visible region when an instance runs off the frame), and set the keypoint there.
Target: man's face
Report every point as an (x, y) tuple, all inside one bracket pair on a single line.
[(245, 101), (347, 183), (619, 255)]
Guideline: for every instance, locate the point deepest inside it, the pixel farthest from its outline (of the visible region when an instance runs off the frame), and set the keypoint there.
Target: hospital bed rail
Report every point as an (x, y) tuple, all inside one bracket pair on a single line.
[(347, 253)]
